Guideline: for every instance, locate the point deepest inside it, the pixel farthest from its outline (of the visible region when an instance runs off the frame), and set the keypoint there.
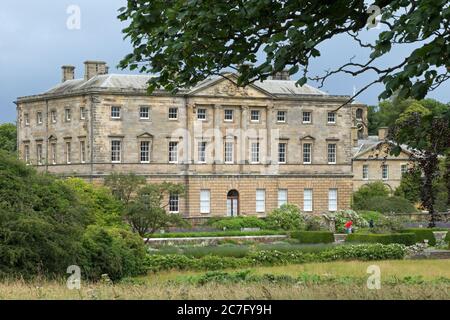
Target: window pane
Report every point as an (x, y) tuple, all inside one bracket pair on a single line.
[(144, 113), (68, 152), (260, 200), (115, 150), (115, 112), (281, 116), (255, 152), (332, 200), (254, 115), (229, 152), (385, 171), (282, 152), (173, 151), (282, 197), (331, 117), (145, 151), (82, 151), (307, 153), (205, 201), (306, 117), (173, 113), (202, 151), (228, 115), (332, 153), (174, 203), (365, 172), (308, 200), (201, 114)]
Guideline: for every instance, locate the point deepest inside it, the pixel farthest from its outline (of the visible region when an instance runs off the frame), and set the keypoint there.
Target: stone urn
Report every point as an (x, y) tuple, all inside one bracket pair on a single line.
[(440, 236)]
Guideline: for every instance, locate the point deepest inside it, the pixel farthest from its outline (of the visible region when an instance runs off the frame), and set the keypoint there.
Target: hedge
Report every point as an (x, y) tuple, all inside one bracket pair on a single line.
[(422, 234), (231, 233), (364, 252), (313, 236), (401, 238), (238, 223)]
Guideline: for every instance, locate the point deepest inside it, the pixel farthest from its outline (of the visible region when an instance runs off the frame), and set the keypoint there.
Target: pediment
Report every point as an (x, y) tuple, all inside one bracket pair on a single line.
[(145, 135), (52, 137), (307, 137), (226, 87)]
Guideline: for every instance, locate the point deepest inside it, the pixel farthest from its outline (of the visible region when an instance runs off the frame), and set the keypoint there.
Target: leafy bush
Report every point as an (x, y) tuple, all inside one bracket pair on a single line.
[(341, 217), (288, 217), (237, 223), (315, 222), (116, 252), (365, 252), (423, 234), (410, 186), (368, 191), (389, 205), (402, 238), (215, 234), (383, 223), (313, 236)]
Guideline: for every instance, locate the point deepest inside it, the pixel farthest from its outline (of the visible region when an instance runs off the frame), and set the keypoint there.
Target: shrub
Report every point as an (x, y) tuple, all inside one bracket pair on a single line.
[(116, 252), (238, 223), (288, 217), (402, 238), (315, 222), (365, 252), (423, 234), (231, 233), (383, 223), (367, 191), (410, 186), (313, 236), (389, 205), (447, 237), (341, 217)]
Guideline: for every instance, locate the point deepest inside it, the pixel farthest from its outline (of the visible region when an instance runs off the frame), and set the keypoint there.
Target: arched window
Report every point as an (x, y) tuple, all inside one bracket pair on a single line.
[(359, 114)]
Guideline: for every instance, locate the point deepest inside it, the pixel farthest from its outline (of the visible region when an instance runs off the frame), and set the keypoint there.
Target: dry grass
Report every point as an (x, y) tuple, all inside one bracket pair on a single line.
[(156, 286)]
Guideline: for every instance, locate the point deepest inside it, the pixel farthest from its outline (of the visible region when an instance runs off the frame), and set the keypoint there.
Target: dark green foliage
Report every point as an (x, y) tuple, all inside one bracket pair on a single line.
[(368, 191), (410, 186), (237, 223), (230, 233), (389, 205), (124, 186), (423, 234), (401, 238), (8, 137), (313, 236)]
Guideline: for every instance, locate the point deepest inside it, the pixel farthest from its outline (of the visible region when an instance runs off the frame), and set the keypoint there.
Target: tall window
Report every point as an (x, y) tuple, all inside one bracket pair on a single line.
[(308, 200), (282, 152), (307, 117), (82, 113), (173, 152), (26, 119), (205, 201), (282, 197), (39, 117), (174, 203), (116, 151), (145, 151), (260, 200), (144, 113), (202, 152), (83, 151), (332, 199), (53, 153), (255, 115), (404, 168), (173, 113), (331, 118), (365, 172), (228, 152), (255, 152), (281, 116), (385, 172), (331, 153), (201, 114), (228, 115), (68, 152), (53, 116), (68, 115), (359, 114), (115, 112), (307, 153), (39, 153), (26, 152)]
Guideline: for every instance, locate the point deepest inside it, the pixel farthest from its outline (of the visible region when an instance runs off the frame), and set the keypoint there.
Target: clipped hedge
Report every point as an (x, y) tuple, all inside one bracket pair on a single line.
[(313, 236), (364, 252), (401, 238), (231, 233), (423, 234), (237, 223)]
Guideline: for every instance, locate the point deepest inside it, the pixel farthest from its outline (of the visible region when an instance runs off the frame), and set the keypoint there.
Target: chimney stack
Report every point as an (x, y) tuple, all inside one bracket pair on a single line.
[(94, 68), (68, 73), (382, 133)]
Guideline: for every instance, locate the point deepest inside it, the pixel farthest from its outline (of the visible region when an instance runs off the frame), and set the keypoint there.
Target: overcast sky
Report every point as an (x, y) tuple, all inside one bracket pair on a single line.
[(35, 42)]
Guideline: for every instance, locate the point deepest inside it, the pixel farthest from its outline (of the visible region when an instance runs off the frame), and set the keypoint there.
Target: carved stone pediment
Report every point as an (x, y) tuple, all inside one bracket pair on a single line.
[(227, 88)]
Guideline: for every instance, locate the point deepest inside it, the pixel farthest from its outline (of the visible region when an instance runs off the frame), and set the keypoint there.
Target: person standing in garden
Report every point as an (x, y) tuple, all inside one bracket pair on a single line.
[(348, 226)]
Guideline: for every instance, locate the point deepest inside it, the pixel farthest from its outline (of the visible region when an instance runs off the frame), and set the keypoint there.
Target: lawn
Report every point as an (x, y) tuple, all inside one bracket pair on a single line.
[(405, 279)]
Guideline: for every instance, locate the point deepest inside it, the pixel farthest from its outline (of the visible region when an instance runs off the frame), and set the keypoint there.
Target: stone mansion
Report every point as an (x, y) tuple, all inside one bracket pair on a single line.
[(238, 151)]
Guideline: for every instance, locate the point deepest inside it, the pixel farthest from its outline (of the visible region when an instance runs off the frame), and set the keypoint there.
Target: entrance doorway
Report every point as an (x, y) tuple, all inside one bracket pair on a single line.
[(233, 203)]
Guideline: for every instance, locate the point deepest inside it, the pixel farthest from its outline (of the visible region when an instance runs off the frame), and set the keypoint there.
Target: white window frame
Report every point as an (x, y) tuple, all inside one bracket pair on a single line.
[(174, 203), (282, 153), (39, 117), (201, 114), (144, 153), (229, 152), (332, 199), (308, 204), (26, 151), (39, 154), (332, 119), (201, 151), (260, 200), (68, 114), (255, 152), (304, 114), (365, 172), (173, 152), (281, 116), (385, 172), (53, 153), (116, 151), (257, 114), (68, 150), (331, 153), (83, 151), (144, 113), (116, 112), (228, 112), (82, 113), (173, 113), (205, 201), (309, 152), (403, 168), (282, 197), (53, 116), (26, 119)]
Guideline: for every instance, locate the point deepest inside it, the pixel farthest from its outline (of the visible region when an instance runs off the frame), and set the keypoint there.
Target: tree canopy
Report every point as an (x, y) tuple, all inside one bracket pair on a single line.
[(184, 42), (8, 137)]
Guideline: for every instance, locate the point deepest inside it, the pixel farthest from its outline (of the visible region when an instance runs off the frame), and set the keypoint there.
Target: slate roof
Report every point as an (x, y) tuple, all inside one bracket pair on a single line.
[(371, 143)]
